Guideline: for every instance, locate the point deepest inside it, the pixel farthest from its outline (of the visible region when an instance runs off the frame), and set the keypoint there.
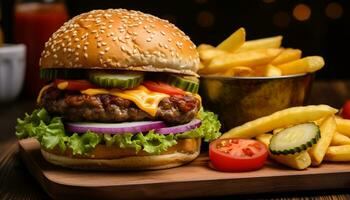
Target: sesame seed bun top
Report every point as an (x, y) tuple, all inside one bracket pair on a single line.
[(120, 39)]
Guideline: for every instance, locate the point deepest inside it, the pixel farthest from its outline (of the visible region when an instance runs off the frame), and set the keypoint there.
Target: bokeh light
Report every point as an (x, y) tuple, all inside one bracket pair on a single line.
[(302, 12), (334, 10), (205, 19)]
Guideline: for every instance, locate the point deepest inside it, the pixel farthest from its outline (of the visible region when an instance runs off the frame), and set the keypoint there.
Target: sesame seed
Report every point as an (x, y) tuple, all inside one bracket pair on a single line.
[(104, 44), (162, 32), (78, 46), (76, 39), (169, 40), (77, 59), (55, 56), (106, 49), (102, 53), (127, 37), (166, 46), (85, 47), (149, 39), (98, 44), (114, 39), (77, 53), (85, 55), (110, 26)]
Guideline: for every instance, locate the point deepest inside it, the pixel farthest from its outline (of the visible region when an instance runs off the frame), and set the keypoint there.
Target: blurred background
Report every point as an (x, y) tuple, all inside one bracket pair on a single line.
[(315, 27)]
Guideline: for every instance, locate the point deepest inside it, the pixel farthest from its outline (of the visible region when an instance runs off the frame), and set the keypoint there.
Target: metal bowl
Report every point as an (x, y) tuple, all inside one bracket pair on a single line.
[(237, 100)]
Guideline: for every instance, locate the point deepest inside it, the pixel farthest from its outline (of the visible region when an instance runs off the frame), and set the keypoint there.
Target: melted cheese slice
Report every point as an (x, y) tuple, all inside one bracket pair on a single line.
[(145, 99)]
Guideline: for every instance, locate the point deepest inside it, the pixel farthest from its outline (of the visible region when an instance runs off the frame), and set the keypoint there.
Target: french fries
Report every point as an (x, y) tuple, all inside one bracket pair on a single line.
[(343, 126), (338, 153), (318, 150), (303, 65), (265, 57), (270, 42), (233, 42), (209, 54), (298, 161), (268, 71), (280, 119), (238, 71), (248, 58), (287, 55), (340, 139)]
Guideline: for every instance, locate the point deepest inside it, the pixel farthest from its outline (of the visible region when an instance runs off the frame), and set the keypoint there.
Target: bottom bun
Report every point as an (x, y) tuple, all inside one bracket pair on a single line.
[(180, 155)]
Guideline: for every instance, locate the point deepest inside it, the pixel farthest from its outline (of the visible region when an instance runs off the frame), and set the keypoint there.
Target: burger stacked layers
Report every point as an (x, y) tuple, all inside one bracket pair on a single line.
[(121, 94)]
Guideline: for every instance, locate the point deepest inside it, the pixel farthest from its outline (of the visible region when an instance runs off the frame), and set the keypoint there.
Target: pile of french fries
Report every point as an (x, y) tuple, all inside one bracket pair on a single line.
[(334, 144), (262, 57)]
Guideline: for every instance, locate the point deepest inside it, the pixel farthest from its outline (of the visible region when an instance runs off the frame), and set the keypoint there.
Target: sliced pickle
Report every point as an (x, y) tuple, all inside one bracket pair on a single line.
[(51, 74), (116, 80), (295, 139), (187, 83)]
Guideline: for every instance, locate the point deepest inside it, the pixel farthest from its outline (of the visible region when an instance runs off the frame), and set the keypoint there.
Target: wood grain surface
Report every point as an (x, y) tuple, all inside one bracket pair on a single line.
[(194, 180)]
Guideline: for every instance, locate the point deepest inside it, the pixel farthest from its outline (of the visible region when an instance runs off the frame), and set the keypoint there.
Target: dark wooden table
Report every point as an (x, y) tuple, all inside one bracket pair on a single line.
[(17, 183)]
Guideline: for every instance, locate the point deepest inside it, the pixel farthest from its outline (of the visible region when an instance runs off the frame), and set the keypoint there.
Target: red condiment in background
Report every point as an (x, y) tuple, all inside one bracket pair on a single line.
[(34, 23)]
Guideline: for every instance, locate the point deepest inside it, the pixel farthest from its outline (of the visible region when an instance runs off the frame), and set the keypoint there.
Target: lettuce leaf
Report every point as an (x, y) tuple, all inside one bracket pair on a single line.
[(81, 144), (51, 134), (209, 130)]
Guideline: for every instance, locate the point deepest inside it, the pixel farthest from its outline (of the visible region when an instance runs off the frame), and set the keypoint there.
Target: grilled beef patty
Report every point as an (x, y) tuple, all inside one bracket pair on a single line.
[(74, 106)]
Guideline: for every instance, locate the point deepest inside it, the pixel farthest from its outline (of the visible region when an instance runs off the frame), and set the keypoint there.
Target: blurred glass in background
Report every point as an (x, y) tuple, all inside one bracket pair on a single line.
[(34, 22)]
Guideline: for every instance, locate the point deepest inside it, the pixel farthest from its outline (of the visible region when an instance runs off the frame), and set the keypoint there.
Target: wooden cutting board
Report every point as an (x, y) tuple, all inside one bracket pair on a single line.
[(196, 179)]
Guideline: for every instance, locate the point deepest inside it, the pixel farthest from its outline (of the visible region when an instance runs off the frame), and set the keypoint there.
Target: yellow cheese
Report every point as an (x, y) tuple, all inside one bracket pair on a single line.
[(38, 99), (93, 92), (63, 85), (145, 99)]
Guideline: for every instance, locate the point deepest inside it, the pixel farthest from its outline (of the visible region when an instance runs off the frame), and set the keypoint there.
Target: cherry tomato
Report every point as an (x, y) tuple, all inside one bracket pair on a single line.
[(345, 112), (163, 88), (237, 155), (73, 84)]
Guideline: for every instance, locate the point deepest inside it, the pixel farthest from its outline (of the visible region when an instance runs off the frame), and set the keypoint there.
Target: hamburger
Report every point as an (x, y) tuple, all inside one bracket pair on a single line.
[(121, 94)]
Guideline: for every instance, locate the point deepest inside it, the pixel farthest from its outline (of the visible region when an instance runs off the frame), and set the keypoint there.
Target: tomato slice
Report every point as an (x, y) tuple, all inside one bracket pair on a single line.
[(163, 88), (237, 155), (73, 84), (345, 111)]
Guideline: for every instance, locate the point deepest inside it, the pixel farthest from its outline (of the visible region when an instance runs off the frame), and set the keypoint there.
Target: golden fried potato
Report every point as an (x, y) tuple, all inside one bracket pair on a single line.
[(249, 58), (340, 139), (318, 150), (280, 119), (338, 153), (233, 42), (303, 65), (264, 43), (287, 55)]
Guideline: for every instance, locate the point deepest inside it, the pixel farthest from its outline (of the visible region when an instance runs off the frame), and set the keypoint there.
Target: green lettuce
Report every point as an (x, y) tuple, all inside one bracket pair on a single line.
[(209, 130), (51, 134), (150, 142)]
